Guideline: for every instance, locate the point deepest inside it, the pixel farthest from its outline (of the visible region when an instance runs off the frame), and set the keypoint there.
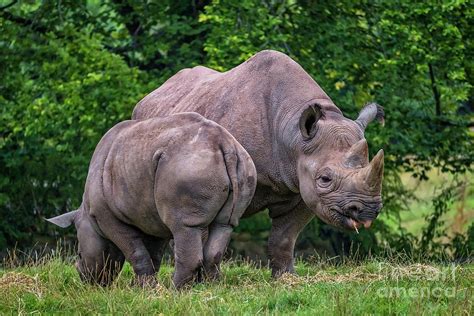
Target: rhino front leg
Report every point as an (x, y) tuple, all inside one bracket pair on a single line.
[(283, 235), (156, 247), (99, 259), (188, 255), (131, 242)]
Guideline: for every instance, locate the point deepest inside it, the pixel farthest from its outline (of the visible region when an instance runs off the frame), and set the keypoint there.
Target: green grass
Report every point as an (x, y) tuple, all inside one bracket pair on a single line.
[(372, 287)]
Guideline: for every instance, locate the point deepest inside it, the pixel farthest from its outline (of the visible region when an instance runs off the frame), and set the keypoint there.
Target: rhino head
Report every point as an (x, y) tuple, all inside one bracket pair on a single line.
[(336, 180)]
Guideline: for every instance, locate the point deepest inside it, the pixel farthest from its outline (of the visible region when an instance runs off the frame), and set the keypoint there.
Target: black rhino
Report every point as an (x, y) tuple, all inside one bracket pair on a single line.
[(310, 159)]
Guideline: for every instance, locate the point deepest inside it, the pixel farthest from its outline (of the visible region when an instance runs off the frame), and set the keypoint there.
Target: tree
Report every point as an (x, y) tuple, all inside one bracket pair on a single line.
[(71, 69), (60, 93), (413, 58)]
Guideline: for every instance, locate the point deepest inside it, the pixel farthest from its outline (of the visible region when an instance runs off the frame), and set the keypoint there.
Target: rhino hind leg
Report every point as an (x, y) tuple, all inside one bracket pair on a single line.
[(243, 187), (188, 255), (214, 249)]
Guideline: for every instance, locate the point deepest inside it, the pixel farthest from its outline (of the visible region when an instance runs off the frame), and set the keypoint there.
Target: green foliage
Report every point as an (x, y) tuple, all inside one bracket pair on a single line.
[(60, 94), (440, 205), (160, 37), (464, 244), (72, 69), (415, 59), (361, 52)]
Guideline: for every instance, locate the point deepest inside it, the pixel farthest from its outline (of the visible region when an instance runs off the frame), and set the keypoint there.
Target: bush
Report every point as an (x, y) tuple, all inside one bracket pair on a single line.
[(59, 96)]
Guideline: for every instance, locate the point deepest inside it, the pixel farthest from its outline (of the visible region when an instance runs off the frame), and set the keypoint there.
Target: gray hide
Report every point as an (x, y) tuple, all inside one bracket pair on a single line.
[(180, 177), (310, 159)]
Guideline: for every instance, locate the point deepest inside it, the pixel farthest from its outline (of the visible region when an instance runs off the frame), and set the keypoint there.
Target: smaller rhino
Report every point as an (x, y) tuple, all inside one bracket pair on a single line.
[(182, 177)]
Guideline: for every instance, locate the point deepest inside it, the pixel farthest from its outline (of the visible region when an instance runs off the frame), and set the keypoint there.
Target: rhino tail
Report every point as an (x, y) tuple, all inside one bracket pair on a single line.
[(64, 220), (231, 163), (243, 182)]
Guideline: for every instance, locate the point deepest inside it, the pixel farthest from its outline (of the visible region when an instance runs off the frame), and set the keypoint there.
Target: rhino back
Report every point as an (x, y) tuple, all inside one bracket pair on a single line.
[(134, 156), (122, 170), (258, 102)]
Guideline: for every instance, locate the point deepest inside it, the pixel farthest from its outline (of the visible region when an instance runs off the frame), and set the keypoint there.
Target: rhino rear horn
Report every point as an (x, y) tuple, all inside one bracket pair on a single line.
[(64, 220), (375, 171), (358, 155)]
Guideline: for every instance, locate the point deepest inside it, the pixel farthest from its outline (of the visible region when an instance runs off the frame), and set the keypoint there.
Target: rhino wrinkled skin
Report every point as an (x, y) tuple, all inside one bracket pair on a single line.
[(310, 159), (180, 177)]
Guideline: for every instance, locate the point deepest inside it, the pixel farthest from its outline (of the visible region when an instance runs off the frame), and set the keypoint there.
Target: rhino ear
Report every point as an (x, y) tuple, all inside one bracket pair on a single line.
[(64, 220), (370, 112), (308, 120)]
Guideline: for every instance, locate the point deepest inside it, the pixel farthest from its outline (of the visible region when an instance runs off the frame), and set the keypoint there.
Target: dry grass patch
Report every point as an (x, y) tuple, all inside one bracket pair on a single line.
[(384, 272), (327, 277), (416, 271), (14, 281)]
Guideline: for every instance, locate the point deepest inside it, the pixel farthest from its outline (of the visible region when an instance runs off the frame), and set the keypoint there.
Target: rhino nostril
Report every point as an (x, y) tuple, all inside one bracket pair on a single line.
[(353, 209)]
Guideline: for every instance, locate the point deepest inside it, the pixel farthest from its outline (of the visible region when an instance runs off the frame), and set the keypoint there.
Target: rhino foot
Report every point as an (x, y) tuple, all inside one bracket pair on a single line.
[(145, 281)]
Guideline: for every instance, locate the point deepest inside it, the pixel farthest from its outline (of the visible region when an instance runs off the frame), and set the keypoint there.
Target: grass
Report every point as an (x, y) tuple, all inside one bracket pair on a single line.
[(376, 286)]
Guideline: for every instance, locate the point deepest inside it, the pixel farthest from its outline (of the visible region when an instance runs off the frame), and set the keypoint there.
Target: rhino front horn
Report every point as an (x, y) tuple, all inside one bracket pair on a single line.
[(375, 171), (358, 155)]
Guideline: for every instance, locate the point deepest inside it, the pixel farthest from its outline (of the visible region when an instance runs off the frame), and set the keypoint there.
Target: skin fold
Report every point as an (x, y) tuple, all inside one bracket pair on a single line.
[(180, 177), (310, 159)]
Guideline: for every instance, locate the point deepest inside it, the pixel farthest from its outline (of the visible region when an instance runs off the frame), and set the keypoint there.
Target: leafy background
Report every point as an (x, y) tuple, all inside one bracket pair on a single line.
[(70, 70)]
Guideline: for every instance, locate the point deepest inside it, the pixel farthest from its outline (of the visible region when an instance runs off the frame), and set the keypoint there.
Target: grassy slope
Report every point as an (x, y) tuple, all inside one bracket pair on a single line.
[(319, 289), (414, 220)]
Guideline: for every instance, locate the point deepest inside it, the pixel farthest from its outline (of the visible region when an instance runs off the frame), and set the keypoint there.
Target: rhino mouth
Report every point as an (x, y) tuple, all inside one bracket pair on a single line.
[(351, 223)]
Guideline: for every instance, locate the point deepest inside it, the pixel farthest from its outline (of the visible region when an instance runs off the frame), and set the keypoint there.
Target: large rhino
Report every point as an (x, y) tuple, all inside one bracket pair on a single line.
[(310, 159)]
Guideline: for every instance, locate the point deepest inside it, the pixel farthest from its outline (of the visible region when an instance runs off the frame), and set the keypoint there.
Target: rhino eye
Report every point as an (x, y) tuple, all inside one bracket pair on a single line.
[(325, 179)]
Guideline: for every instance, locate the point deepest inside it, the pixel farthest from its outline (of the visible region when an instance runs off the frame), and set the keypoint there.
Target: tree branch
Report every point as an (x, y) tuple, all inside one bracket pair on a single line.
[(436, 93), (22, 21), (8, 5)]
